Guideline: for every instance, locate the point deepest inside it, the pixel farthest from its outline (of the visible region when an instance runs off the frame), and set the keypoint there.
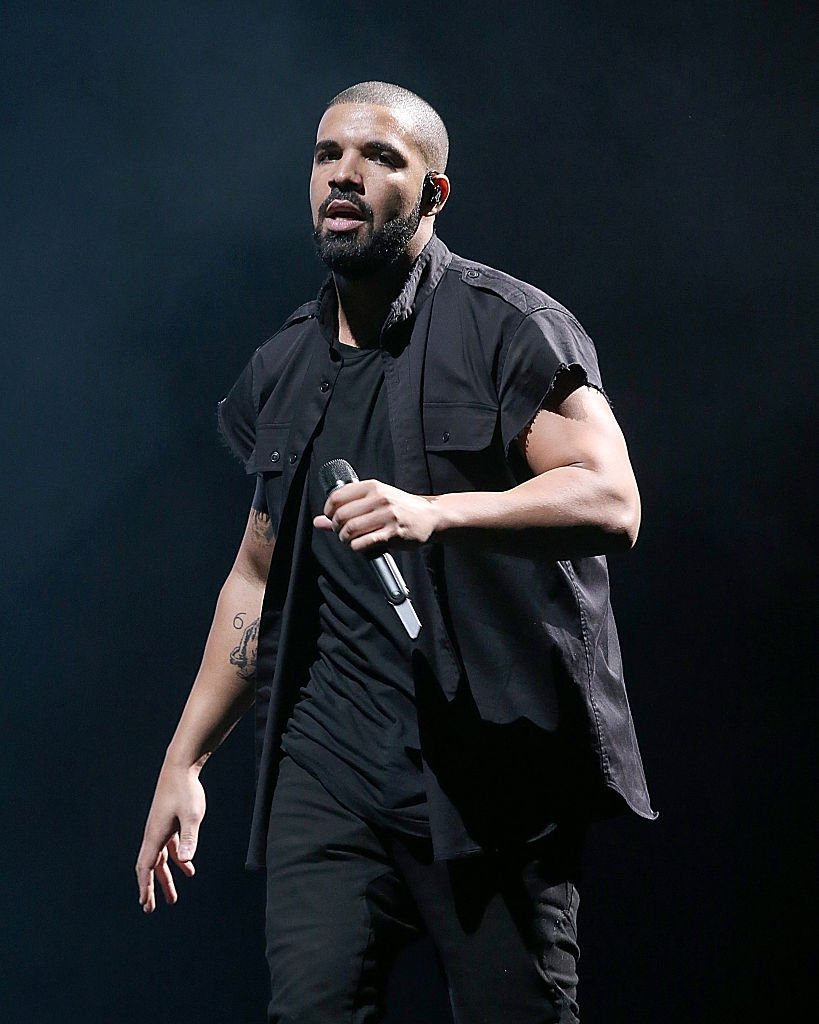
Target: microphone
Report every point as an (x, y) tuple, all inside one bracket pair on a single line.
[(336, 473)]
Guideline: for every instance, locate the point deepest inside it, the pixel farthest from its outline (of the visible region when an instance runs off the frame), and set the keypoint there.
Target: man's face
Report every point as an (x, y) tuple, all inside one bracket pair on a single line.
[(365, 188)]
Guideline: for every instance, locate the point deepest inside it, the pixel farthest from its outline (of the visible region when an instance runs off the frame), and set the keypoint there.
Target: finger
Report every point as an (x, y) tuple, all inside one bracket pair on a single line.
[(146, 861), (376, 542), (149, 904), (348, 492), (147, 900), (360, 507), (186, 866), (323, 523), (370, 522), (165, 879), (188, 838)]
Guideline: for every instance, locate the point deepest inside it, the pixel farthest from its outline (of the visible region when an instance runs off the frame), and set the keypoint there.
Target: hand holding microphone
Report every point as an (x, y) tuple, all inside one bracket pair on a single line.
[(363, 516)]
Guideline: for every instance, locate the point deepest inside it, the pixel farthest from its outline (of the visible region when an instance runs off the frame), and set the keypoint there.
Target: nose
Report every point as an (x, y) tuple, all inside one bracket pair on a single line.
[(347, 174)]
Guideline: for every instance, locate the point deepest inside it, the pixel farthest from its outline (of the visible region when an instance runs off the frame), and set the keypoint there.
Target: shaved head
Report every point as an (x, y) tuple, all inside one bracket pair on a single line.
[(425, 123)]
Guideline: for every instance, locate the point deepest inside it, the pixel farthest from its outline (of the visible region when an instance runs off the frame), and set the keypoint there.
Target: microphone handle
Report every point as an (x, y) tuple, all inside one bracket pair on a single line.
[(391, 580), (386, 571)]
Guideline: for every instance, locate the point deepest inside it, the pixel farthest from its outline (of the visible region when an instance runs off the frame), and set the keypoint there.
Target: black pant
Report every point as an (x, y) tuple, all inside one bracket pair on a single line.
[(343, 898)]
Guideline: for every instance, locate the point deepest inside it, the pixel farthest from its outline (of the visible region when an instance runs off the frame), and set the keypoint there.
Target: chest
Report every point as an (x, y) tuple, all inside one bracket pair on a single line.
[(435, 395)]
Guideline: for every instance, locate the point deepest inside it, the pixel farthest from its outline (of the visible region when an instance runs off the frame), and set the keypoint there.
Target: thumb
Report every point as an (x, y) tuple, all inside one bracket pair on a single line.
[(188, 838)]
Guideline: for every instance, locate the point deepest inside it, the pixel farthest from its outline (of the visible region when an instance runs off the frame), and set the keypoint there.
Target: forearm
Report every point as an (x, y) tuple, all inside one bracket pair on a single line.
[(224, 686), (581, 499), (584, 510)]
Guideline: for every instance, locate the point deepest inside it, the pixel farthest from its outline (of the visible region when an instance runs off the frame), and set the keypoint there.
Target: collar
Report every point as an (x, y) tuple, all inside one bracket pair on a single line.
[(423, 278)]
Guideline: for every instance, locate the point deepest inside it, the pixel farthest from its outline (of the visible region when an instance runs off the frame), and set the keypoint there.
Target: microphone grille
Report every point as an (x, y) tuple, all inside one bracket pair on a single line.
[(335, 473)]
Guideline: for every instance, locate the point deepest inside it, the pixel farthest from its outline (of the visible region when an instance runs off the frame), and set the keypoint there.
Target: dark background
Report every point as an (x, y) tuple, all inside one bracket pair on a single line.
[(647, 164)]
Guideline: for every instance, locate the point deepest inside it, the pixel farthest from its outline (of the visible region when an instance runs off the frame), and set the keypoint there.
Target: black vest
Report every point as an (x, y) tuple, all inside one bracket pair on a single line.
[(519, 655)]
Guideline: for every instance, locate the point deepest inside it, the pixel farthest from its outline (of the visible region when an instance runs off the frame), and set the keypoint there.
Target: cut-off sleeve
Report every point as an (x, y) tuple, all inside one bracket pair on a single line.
[(547, 357), (236, 415)]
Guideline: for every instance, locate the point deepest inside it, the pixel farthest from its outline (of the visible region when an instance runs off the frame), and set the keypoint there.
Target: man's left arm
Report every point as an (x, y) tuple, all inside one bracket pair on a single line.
[(583, 491)]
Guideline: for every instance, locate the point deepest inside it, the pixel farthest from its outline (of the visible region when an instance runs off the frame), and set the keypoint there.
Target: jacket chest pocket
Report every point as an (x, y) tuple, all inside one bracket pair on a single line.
[(463, 449), (268, 459)]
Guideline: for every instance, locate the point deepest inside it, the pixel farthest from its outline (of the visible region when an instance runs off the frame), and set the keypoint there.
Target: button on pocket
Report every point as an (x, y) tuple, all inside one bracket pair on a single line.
[(271, 447), (458, 427)]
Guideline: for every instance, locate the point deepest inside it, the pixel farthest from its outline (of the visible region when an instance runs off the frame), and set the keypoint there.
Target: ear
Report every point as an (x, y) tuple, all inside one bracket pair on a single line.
[(436, 193)]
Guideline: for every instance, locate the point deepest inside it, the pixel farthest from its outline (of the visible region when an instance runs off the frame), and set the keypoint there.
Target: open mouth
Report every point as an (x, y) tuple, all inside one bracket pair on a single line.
[(343, 216)]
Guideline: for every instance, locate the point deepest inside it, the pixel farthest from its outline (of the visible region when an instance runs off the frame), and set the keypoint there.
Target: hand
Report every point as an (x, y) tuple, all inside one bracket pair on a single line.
[(171, 832), (370, 514)]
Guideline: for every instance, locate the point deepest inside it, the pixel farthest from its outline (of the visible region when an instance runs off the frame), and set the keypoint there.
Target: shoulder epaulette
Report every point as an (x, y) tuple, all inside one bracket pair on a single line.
[(523, 296), (304, 312)]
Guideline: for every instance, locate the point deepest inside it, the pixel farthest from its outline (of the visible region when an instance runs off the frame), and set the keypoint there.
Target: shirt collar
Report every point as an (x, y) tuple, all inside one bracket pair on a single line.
[(423, 278)]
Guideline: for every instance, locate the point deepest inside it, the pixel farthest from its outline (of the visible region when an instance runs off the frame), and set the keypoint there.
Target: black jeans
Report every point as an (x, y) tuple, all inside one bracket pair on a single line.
[(344, 898)]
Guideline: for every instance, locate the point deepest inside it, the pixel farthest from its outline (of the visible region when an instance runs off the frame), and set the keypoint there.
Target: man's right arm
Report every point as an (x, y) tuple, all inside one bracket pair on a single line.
[(222, 691)]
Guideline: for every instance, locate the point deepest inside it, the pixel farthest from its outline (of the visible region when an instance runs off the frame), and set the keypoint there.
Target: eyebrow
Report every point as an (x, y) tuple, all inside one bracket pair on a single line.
[(324, 144)]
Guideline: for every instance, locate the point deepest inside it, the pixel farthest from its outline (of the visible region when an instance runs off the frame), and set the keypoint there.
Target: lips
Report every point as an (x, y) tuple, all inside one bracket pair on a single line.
[(342, 208), (341, 215)]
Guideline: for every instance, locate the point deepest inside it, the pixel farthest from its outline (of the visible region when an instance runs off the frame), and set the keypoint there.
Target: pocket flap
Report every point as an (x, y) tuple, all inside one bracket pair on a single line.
[(270, 453), (452, 426)]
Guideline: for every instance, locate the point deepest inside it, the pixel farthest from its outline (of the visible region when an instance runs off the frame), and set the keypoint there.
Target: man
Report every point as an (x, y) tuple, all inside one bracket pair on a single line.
[(438, 784)]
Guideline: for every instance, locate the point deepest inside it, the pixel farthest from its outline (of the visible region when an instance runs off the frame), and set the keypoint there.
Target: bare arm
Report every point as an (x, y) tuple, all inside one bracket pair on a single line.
[(583, 485), (583, 491), (222, 691)]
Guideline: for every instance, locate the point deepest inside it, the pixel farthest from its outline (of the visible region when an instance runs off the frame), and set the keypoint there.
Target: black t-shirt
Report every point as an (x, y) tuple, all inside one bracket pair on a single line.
[(354, 726)]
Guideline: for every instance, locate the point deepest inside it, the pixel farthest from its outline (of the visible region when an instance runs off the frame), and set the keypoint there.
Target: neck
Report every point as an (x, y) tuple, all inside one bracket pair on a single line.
[(363, 303)]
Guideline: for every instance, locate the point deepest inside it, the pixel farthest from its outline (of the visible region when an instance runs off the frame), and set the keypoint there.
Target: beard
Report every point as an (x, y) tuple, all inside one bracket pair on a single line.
[(361, 253)]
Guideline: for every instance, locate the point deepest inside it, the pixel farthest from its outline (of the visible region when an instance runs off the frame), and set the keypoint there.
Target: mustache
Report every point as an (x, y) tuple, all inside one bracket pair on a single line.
[(347, 197)]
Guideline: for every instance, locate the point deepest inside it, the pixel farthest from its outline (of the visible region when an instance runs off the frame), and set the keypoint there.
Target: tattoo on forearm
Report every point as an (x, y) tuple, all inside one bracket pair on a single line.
[(262, 527), (243, 656)]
